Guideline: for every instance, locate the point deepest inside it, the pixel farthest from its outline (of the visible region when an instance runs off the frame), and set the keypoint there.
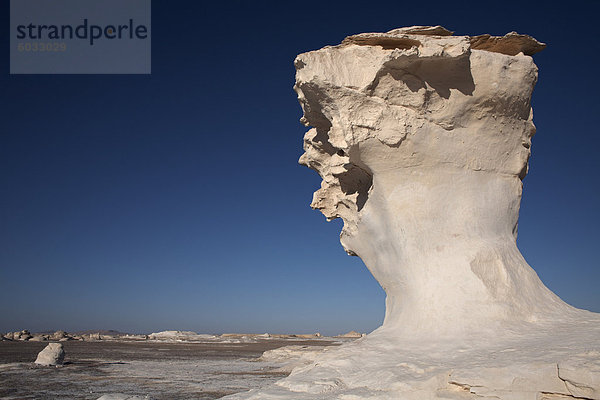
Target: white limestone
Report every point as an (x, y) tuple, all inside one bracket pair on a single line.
[(351, 334), (52, 355), (422, 140), (292, 356), (180, 336)]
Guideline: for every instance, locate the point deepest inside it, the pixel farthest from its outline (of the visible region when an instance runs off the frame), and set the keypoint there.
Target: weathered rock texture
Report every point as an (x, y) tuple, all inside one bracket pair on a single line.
[(53, 354), (422, 140)]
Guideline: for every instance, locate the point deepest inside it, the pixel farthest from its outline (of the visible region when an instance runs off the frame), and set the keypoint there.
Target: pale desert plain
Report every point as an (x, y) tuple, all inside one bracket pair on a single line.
[(161, 366), (422, 140)]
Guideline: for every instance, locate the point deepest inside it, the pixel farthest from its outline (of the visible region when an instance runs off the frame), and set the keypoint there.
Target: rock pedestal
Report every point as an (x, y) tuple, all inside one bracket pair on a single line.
[(422, 140)]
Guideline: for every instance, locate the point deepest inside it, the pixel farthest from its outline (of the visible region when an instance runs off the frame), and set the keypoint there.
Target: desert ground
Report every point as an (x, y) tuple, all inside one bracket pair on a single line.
[(149, 369)]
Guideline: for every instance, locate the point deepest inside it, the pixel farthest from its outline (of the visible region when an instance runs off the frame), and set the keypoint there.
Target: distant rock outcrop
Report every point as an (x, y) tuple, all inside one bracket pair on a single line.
[(351, 335), (179, 336), (307, 336), (59, 335), (23, 335)]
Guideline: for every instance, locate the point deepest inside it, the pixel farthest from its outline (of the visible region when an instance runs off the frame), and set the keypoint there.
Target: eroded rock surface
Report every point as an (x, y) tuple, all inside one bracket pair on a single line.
[(52, 355), (422, 140)]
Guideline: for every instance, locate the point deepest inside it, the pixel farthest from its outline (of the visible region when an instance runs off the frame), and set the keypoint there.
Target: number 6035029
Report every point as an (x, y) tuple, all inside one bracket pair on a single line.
[(42, 47)]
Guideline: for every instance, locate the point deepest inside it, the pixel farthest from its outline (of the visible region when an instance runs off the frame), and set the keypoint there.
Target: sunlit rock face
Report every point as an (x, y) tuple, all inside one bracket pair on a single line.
[(422, 140)]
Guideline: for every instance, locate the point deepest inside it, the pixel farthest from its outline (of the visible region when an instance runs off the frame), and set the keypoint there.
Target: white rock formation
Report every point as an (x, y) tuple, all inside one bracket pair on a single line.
[(23, 335), (351, 335), (58, 335), (180, 336), (53, 354), (422, 140), (292, 356)]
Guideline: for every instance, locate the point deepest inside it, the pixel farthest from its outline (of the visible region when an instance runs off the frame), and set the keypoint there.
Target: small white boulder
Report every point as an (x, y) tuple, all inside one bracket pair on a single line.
[(53, 354)]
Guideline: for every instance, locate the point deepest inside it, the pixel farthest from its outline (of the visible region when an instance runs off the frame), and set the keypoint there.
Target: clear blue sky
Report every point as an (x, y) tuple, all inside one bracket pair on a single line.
[(175, 201)]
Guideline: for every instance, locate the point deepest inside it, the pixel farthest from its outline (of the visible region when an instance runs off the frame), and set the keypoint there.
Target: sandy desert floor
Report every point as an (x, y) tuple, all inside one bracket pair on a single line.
[(159, 370)]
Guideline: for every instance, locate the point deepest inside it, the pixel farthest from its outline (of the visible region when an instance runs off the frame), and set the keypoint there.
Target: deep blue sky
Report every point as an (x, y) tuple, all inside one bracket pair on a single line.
[(175, 201)]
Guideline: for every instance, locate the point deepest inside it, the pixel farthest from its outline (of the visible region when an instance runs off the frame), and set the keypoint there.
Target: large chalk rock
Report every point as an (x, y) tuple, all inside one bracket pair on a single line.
[(422, 140), (53, 354)]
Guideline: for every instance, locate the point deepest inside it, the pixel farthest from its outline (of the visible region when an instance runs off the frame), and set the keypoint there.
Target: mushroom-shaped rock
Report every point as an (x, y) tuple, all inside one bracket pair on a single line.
[(422, 140), (53, 354)]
